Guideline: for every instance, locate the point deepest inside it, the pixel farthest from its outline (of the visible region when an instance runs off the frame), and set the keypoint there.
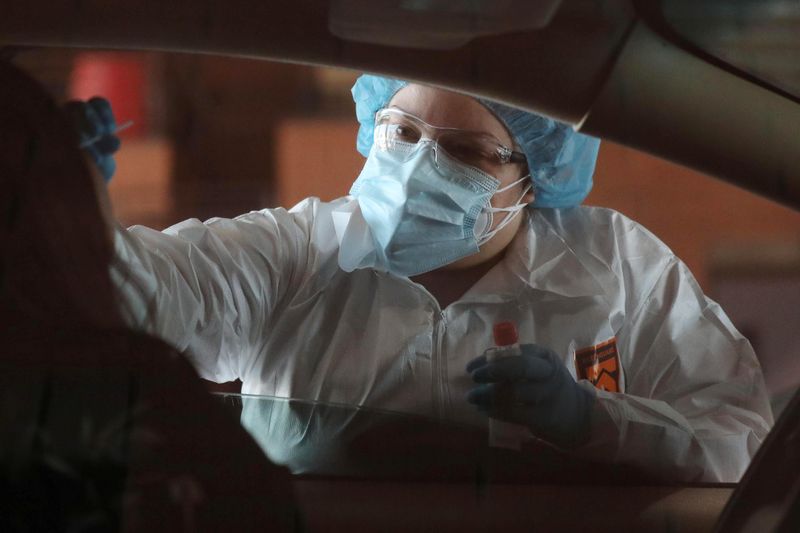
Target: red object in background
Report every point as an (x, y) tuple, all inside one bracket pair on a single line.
[(121, 78)]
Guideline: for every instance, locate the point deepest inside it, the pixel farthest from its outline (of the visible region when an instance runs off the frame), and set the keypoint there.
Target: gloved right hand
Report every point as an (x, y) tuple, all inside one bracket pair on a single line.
[(536, 390), (94, 122)]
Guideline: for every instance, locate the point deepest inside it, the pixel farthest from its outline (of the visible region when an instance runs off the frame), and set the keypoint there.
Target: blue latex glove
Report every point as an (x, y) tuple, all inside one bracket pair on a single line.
[(535, 390), (94, 122)]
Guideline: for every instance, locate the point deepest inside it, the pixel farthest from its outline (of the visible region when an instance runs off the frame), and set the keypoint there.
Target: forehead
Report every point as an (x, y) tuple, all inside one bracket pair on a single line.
[(442, 108)]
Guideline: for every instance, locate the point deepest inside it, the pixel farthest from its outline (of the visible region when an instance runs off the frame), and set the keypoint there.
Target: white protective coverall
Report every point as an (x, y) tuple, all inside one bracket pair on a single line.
[(261, 298)]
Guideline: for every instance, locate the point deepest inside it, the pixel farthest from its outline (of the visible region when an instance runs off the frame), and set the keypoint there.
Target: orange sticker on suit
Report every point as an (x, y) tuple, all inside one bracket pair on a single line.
[(600, 365)]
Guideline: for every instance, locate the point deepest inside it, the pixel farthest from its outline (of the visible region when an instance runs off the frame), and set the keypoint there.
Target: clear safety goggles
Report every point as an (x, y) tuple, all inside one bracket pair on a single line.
[(476, 149)]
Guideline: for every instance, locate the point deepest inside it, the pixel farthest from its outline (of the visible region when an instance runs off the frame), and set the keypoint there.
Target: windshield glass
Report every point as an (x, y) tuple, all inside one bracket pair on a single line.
[(317, 438), (761, 37), (212, 138)]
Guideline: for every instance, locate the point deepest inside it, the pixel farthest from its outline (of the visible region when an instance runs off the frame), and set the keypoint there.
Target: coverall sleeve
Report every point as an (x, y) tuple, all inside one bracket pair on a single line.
[(210, 289), (695, 406)]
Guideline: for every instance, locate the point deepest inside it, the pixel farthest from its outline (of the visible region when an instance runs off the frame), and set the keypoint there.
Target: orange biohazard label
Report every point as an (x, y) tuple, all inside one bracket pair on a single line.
[(600, 365)]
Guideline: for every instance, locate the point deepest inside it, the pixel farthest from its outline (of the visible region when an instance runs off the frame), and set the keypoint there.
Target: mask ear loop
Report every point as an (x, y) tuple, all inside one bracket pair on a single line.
[(434, 146), (510, 211), (514, 184), (492, 210)]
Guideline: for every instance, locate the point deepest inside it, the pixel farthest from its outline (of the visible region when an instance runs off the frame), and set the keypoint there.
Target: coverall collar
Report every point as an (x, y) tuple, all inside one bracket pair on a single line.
[(538, 259)]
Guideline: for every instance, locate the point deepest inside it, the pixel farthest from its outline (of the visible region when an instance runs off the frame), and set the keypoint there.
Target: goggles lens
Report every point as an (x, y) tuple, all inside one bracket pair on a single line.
[(476, 149)]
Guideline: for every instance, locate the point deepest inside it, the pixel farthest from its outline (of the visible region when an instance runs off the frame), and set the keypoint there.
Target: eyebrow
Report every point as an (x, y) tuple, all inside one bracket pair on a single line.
[(512, 144)]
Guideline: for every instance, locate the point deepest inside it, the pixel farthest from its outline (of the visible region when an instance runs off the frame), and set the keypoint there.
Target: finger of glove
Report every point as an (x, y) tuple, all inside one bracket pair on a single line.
[(519, 402), (481, 395), (491, 397), (535, 392), (108, 144), (476, 363), (507, 412), (95, 154), (107, 166), (104, 114), (104, 162), (532, 367), (546, 424), (83, 119)]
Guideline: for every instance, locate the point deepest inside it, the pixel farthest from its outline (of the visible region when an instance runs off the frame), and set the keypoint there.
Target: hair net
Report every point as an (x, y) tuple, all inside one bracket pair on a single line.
[(560, 159)]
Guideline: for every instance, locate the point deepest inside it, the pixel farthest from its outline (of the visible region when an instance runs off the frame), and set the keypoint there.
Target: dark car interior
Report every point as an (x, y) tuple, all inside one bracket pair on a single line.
[(628, 71)]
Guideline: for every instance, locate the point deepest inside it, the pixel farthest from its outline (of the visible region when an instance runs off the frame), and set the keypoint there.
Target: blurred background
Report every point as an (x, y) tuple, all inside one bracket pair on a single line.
[(220, 136)]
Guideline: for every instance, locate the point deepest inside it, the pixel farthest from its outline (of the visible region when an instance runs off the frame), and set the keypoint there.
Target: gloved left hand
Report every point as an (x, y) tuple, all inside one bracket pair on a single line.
[(536, 390), (94, 122)]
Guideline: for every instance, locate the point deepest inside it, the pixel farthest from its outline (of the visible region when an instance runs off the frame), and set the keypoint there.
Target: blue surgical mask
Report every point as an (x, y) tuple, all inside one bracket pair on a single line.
[(421, 206)]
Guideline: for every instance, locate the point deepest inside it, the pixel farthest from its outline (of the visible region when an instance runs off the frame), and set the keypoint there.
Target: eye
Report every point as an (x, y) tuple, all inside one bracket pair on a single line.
[(468, 150), (406, 133)]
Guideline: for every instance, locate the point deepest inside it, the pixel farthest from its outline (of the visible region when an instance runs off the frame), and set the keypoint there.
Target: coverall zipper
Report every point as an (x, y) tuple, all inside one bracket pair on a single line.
[(440, 399), (438, 359)]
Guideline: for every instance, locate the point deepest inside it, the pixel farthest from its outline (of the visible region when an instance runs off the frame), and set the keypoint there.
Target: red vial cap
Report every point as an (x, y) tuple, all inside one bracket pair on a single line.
[(505, 334)]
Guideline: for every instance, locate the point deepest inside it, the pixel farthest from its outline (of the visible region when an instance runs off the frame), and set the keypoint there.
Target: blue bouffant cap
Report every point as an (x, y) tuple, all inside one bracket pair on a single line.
[(560, 159)]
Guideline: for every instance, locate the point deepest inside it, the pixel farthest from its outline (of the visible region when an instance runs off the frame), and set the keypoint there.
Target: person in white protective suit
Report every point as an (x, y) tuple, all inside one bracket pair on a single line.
[(466, 214)]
